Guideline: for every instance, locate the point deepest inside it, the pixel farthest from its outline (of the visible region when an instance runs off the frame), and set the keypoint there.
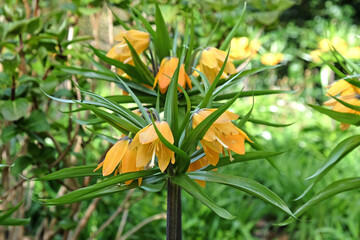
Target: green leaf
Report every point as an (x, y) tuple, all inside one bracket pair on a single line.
[(119, 123), (130, 70), (75, 195), (349, 118), (331, 190), (250, 94), (258, 121), (14, 110), (145, 22), (162, 42), (119, 109), (37, 122), (8, 212), (247, 116), (245, 185), (15, 221), (248, 156), (107, 191), (143, 69), (228, 38), (122, 23), (136, 100), (337, 154), (191, 187), (72, 172), (335, 69)]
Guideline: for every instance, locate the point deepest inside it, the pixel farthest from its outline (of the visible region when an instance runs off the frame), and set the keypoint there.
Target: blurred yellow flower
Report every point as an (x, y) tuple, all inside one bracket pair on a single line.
[(167, 69), (315, 55), (121, 51), (353, 52), (211, 61), (347, 93), (338, 43), (148, 145), (241, 48), (222, 134), (271, 59)]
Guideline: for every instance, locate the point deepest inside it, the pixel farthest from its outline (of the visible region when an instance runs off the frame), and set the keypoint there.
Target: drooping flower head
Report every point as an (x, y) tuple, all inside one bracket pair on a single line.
[(121, 51), (211, 61), (271, 59), (167, 69), (241, 48), (148, 145), (222, 134), (120, 159), (347, 93)]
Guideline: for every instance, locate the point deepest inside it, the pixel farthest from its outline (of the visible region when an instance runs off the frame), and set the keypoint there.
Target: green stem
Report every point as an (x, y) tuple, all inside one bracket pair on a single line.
[(173, 225)]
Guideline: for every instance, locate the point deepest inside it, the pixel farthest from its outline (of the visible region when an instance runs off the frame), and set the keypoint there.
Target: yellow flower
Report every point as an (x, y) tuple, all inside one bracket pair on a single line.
[(122, 157), (121, 51), (148, 145), (353, 52), (212, 60), (241, 48), (338, 43), (222, 134), (167, 69), (315, 55), (347, 93), (271, 59)]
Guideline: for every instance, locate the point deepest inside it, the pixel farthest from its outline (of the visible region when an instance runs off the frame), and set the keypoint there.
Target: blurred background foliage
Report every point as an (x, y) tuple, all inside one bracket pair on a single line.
[(36, 138)]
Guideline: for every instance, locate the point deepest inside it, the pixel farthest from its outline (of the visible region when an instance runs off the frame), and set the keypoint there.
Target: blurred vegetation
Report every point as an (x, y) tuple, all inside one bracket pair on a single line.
[(37, 138)]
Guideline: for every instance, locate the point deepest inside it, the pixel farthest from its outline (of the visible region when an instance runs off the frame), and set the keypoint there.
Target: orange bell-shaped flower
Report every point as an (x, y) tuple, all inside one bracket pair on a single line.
[(166, 72)]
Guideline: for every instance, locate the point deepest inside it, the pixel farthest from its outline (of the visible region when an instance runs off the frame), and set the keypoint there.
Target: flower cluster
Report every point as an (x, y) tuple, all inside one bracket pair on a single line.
[(347, 93), (146, 149), (325, 45)]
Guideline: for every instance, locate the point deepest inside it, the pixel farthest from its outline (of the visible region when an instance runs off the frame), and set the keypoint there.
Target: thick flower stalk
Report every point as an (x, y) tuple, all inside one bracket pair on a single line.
[(222, 135), (166, 72), (211, 61), (347, 93), (148, 145)]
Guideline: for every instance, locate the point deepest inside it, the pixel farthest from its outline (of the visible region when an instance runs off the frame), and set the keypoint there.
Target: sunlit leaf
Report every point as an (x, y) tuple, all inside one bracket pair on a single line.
[(337, 154), (245, 185), (191, 187)]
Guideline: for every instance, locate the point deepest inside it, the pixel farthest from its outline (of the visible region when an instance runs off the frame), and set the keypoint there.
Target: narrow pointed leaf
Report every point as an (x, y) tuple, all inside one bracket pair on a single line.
[(191, 187), (72, 172), (234, 30), (245, 185), (75, 195), (331, 190), (248, 156), (349, 118), (336, 155), (163, 42)]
